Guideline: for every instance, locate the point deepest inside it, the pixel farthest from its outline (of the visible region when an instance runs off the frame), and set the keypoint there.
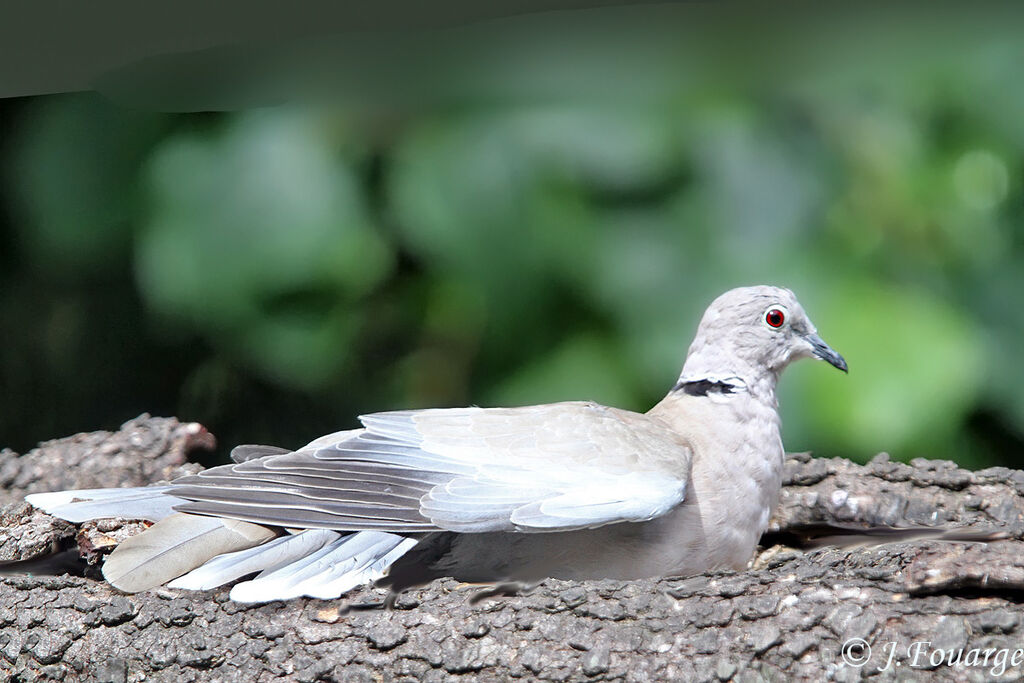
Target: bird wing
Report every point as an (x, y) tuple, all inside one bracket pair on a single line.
[(539, 468)]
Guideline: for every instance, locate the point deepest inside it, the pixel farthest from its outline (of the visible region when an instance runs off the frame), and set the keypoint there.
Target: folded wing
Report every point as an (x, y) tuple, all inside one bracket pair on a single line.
[(540, 468)]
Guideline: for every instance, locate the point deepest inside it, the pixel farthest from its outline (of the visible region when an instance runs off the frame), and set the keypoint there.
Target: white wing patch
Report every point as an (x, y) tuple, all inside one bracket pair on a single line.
[(636, 497), (548, 474), (558, 501)]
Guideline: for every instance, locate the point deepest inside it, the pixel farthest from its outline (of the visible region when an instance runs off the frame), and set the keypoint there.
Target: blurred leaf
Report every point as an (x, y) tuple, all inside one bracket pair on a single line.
[(503, 198), (75, 171), (584, 368), (1003, 324), (916, 368), (260, 239)]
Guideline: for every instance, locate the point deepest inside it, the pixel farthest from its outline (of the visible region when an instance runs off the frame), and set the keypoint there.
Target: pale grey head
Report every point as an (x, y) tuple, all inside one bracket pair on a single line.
[(753, 333)]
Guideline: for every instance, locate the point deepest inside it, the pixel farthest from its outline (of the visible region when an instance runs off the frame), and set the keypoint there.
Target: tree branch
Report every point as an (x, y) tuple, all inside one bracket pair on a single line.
[(786, 618)]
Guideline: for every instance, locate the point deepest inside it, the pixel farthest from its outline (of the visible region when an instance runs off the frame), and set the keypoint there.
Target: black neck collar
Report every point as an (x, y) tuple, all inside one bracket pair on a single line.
[(703, 387)]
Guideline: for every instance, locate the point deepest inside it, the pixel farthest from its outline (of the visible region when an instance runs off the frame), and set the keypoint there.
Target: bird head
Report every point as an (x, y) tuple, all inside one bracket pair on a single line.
[(751, 332)]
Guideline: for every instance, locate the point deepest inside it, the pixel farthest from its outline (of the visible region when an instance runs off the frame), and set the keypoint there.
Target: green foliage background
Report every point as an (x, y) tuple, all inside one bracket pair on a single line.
[(274, 272)]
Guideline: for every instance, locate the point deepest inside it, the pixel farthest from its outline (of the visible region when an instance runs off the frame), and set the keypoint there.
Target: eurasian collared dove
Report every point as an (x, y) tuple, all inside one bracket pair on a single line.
[(571, 490)]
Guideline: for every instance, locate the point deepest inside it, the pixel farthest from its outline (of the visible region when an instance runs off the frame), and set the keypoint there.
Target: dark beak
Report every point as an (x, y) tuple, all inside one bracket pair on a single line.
[(825, 352)]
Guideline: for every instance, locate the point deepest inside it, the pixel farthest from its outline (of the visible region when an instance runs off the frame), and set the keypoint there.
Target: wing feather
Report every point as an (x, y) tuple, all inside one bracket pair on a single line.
[(299, 517), (318, 488), (540, 468)]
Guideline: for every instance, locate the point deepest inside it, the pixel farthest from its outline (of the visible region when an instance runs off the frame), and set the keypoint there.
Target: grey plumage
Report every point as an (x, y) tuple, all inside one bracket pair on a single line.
[(247, 452), (152, 503), (424, 470), (569, 490), (175, 545)]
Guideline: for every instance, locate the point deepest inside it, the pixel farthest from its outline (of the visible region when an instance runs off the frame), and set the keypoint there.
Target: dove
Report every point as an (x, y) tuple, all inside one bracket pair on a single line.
[(571, 490)]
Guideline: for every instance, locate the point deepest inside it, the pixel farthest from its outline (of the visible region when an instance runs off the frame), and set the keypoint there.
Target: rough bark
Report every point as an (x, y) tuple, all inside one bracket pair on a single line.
[(786, 618)]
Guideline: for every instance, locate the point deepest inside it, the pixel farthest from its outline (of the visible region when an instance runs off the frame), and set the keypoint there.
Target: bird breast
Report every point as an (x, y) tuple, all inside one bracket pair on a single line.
[(735, 479)]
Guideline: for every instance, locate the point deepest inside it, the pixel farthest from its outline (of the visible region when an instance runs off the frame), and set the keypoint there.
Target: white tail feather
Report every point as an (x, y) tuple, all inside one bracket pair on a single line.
[(344, 564), (358, 576), (268, 557)]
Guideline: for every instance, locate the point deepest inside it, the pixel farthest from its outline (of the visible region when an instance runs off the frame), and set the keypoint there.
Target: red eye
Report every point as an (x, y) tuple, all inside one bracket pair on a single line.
[(775, 317)]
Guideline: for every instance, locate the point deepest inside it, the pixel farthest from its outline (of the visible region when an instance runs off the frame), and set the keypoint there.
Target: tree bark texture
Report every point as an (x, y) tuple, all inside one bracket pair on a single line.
[(786, 618)]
